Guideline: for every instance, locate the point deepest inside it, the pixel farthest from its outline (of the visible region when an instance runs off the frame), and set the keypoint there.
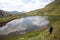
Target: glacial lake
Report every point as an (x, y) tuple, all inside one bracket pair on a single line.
[(24, 25)]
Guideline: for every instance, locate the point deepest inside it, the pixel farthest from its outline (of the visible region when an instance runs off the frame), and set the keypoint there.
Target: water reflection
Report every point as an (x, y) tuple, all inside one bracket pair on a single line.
[(23, 25)]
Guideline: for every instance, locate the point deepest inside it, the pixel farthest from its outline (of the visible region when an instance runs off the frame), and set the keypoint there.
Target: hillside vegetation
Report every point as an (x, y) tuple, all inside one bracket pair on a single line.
[(5, 20), (52, 9), (6, 17)]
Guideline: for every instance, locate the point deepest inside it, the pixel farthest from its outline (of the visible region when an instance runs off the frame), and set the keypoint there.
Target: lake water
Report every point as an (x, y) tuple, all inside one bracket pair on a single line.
[(25, 24)]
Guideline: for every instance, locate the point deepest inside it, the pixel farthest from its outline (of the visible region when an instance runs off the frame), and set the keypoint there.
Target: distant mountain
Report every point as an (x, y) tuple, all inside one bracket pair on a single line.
[(16, 12)]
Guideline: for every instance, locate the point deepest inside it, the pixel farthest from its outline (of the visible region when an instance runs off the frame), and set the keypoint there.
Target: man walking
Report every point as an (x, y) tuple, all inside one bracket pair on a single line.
[(50, 29)]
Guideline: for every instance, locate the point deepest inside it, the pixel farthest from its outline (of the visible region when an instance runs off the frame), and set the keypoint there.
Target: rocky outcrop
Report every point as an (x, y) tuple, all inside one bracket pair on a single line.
[(4, 14)]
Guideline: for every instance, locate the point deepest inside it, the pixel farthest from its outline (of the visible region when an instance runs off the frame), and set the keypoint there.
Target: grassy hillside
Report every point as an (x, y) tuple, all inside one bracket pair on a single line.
[(53, 8), (4, 20), (50, 9)]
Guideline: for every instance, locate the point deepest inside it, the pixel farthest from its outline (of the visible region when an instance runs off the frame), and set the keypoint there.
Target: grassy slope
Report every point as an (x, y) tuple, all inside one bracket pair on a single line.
[(52, 9), (3, 21)]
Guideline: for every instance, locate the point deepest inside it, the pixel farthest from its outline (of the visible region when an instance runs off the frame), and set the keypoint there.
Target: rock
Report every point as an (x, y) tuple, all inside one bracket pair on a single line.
[(4, 14)]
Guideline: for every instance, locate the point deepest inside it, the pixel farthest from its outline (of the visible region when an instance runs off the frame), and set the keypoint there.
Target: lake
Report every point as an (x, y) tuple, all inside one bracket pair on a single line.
[(24, 25)]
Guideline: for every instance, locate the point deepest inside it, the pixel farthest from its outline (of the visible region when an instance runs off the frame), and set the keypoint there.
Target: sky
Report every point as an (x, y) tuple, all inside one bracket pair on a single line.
[(23, 5)]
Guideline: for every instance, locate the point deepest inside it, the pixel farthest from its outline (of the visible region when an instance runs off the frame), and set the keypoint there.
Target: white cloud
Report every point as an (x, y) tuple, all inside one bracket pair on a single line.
[(25, 5)]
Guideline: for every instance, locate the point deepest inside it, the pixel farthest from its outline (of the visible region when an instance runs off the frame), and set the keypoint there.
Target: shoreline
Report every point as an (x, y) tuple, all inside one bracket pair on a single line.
[(2, 37)]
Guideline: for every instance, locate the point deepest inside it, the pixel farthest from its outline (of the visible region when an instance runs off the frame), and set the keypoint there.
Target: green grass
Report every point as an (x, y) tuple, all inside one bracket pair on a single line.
[(52, 9), (4, 20)]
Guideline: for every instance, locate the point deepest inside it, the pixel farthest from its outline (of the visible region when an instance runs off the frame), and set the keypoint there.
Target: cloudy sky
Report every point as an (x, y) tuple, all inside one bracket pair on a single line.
[(23, 5)]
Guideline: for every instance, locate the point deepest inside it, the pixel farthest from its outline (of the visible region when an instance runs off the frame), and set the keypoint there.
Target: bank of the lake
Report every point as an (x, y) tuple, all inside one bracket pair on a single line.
[(25, 24), (5, 20)]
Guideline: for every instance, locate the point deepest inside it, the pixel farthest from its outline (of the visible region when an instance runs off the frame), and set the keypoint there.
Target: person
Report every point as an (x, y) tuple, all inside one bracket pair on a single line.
[(50, 29)]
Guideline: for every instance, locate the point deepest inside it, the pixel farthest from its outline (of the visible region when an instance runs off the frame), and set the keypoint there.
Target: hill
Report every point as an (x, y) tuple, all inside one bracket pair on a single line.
[(50, 9), (6, 17), (4, 14), (53, 8), (16, 12)]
